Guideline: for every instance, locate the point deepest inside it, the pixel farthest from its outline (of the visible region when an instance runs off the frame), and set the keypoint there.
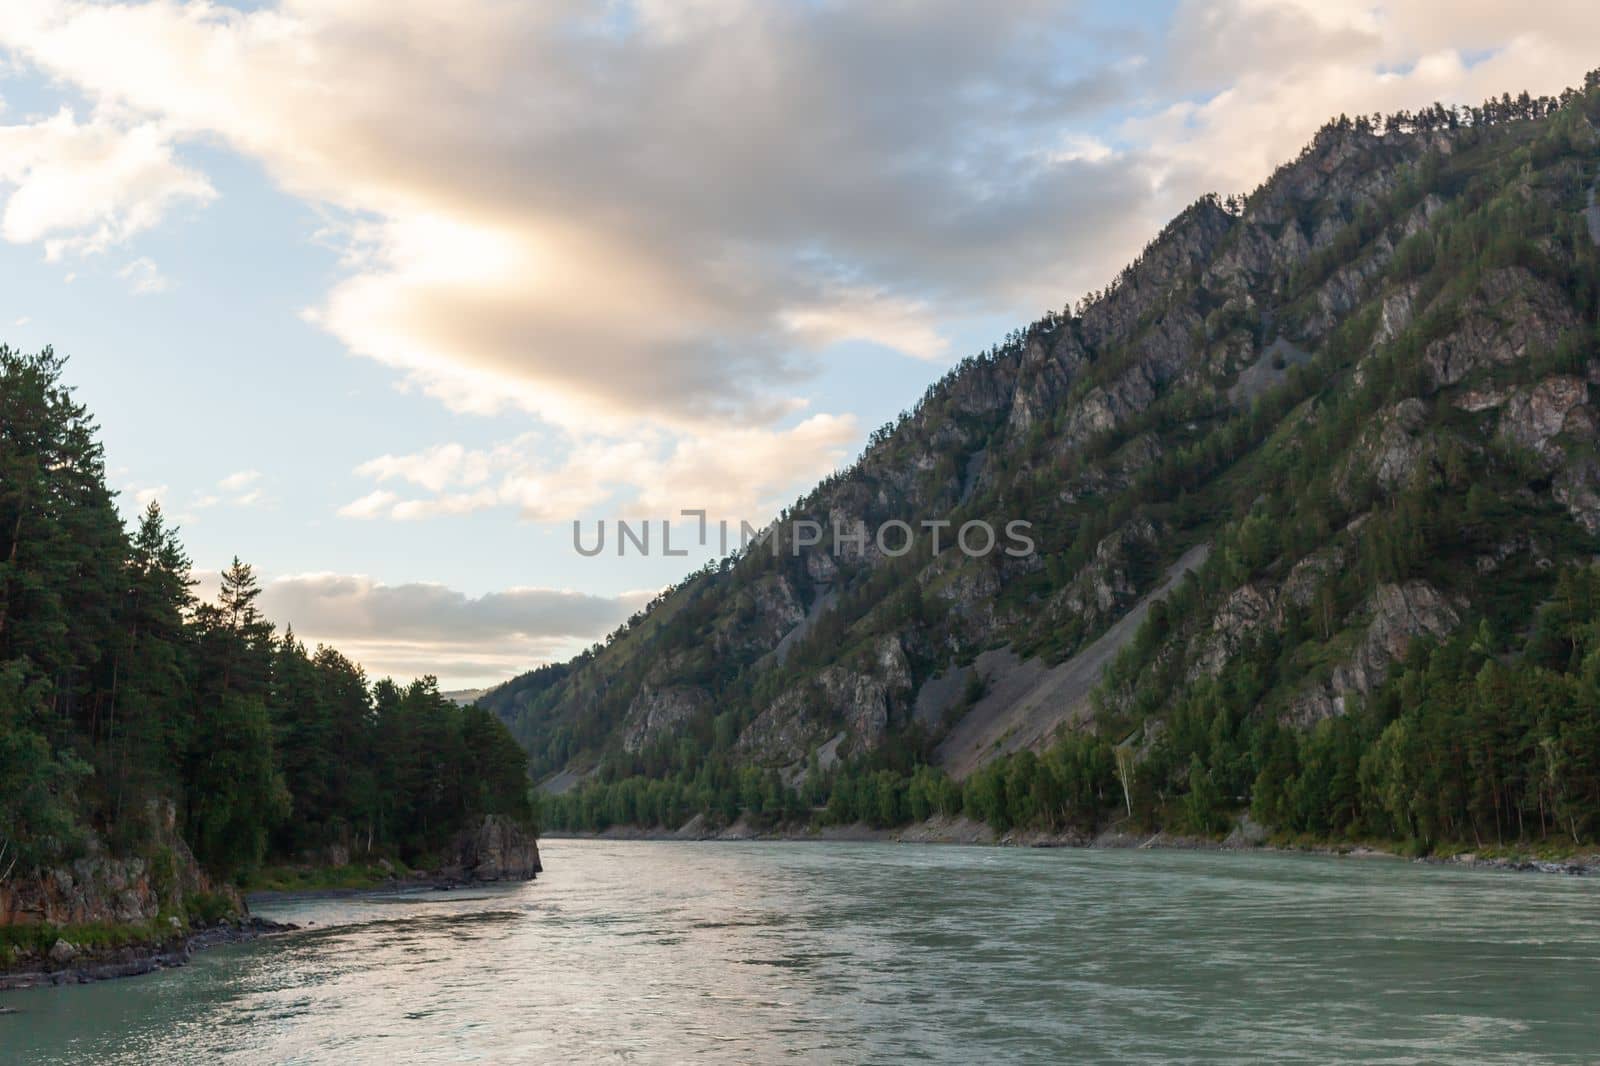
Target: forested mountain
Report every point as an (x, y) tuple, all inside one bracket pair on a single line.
[(141, 731), (1343, 425)]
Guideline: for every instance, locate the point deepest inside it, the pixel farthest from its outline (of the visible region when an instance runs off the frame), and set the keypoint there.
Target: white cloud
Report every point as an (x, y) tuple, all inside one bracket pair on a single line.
[(238, 489), (653, 211), (81, 187), (909, 326), (239, 480), (598, 213), (144, 277), (638, 221), (144, 497), (374, 504), (343, 606), (1077, 147), (1277, 71), (234, 490), (416, 628), (435, 468), (733, 472)]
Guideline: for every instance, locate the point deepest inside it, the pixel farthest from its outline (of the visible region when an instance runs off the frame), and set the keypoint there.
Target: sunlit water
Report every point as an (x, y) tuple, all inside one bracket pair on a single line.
[(669, 952)]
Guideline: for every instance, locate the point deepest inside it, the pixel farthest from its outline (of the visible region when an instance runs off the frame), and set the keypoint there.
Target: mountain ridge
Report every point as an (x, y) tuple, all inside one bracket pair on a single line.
[(1413, 296)]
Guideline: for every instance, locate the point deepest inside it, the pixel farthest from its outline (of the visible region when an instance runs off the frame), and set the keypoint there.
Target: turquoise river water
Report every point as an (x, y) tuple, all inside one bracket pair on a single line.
[(810, 952)]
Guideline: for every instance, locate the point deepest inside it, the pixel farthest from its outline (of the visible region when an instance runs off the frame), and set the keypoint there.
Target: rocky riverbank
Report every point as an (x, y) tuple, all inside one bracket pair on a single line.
[(1575, 866), (493, 850), (99, 916), (66, 963), (1246, 835)]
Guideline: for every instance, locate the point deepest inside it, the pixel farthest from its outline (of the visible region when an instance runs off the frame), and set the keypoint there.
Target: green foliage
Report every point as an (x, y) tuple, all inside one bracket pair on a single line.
[(1068, 787), (233, 790), (37, 812), (207, 908), (38, 938), (306, 878), (117, 689)]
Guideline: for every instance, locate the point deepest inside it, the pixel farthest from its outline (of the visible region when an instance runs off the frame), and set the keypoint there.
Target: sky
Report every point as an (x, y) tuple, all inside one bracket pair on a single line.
[(381, 296)]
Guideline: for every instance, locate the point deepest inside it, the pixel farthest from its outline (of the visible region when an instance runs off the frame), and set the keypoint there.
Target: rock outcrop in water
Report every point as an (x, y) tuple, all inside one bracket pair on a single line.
[(496, 849)]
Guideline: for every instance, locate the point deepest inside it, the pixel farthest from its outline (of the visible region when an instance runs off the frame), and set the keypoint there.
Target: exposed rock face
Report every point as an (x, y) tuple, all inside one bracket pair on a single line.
[(1395, 315), (967, 589), (767, 611), (497, 850), (777, 605), (1532, 417), (1344, 291), (1102, 589), (1246, 611), (1307, 577), (1186, 242), (1476, 400), (863, 700), (1398, 614), (1042, 378), (659, 712), (821, 568), (785, 731), (1394, 615), (1577, 487), (1395, 450), (1104, 408), (99, 887), (1512, 315), (871, 699), (1026, 703)]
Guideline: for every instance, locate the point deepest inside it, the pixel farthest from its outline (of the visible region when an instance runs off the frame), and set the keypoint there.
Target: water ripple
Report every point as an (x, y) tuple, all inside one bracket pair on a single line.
[(663, 953)]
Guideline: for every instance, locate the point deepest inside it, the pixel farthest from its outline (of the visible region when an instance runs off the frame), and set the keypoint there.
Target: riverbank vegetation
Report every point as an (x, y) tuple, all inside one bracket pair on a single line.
[(1477, 741), (302, 877), (122, 696)]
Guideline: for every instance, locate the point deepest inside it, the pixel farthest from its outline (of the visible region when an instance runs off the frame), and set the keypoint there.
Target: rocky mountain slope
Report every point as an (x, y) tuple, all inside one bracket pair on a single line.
[(1304, 430)]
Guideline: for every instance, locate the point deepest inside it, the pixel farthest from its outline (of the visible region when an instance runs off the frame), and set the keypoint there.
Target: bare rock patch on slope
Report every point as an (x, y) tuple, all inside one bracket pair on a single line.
[(1025, 701)]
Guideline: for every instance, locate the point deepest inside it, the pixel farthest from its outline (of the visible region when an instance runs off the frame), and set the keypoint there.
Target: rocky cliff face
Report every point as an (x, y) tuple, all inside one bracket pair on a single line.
[(496, 850), (1419, 305), (97, 887), (861, 702)]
